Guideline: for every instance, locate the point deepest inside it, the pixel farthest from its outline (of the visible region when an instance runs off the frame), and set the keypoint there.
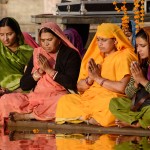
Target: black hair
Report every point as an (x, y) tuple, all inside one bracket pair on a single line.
[(143, 62), (141, 34), (45, 29), (13, 24)]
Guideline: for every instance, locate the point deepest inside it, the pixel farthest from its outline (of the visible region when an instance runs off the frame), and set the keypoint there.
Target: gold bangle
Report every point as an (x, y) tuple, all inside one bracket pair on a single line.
[(101, 84), (36, 76)]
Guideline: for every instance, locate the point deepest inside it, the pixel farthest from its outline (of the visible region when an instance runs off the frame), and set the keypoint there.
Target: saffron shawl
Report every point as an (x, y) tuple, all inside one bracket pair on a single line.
[(105, 30), (12, 65), (94, 102)]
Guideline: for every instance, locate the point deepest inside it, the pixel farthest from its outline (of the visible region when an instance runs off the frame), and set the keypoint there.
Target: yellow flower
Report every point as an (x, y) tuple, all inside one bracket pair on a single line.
[(142, 11), (114, 3), (137, 12), (136, 17), (142, 15), (136, 21), (142, 6), (35, 130), (49, 130), (124, 2), (116, 8), (137, 26)]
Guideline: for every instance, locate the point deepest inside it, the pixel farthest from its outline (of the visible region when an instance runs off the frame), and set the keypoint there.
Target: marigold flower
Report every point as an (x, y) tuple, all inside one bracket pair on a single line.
[(124, 2), (49, 130), (138, 9), (114, 3), (136, 17), (36, 130)]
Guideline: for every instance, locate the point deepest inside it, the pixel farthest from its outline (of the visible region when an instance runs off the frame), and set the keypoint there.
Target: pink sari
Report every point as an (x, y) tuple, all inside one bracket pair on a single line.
[(43, 100), (29, 40)]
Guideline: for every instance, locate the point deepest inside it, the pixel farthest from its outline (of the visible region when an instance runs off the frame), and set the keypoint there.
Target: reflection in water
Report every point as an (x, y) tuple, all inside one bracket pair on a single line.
[(29, 140), (132, 143)]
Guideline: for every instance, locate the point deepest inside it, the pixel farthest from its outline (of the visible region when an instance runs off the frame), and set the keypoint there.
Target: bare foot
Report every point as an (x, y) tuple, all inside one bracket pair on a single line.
[(122, 124), (91, 138), (126, 138), (93, 122), (14, 116)]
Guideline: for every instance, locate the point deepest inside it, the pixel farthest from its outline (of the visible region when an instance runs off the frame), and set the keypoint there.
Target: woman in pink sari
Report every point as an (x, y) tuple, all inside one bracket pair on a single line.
[(56, 68)]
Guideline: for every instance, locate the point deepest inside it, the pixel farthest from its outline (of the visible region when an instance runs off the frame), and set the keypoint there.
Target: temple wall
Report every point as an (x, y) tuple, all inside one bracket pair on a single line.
[(22, 10)]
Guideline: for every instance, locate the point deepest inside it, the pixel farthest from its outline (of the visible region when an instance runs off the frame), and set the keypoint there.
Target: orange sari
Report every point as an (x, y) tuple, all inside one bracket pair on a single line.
[(94, 102)]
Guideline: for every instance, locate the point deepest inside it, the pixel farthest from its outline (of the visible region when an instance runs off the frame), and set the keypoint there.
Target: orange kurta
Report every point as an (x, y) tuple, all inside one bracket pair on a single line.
[(94, 102)]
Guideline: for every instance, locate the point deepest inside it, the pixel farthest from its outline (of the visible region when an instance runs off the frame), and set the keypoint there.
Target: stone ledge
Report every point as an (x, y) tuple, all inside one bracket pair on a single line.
[(82, 128)]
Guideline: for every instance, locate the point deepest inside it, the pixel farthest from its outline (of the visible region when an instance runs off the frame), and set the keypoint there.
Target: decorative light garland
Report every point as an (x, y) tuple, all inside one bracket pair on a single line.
[(139, 13)]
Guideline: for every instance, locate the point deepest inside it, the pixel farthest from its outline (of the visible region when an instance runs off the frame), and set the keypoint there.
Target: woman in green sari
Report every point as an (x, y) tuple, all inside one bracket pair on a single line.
[(14, 54), (134, 111)]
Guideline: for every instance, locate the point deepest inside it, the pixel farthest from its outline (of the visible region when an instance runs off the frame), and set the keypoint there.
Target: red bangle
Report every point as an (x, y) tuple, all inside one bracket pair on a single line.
[(86, 81), (101, 84)]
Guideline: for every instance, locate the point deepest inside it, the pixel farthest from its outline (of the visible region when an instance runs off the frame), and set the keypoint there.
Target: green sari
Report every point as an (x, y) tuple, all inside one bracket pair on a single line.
[(12, 65)]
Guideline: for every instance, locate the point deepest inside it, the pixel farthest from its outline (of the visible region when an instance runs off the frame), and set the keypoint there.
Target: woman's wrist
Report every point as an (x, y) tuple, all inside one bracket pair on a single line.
[(100, 80), (52, 73), (88, 81), (36, 75)]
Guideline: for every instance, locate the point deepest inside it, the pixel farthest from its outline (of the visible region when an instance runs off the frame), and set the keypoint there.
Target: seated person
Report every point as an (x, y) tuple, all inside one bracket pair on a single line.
[(134, 110), (75, 39), (14, 54), (56, 69), (104, 74)]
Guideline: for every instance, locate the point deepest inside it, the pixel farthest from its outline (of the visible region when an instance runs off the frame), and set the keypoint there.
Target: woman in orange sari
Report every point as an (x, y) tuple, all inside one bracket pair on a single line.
[(104, 73), (56, 69)]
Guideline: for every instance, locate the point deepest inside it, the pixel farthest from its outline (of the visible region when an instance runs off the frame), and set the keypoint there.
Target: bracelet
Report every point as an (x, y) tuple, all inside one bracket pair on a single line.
[(36, 76), (86, 81), (54, 76), (101, 84)]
